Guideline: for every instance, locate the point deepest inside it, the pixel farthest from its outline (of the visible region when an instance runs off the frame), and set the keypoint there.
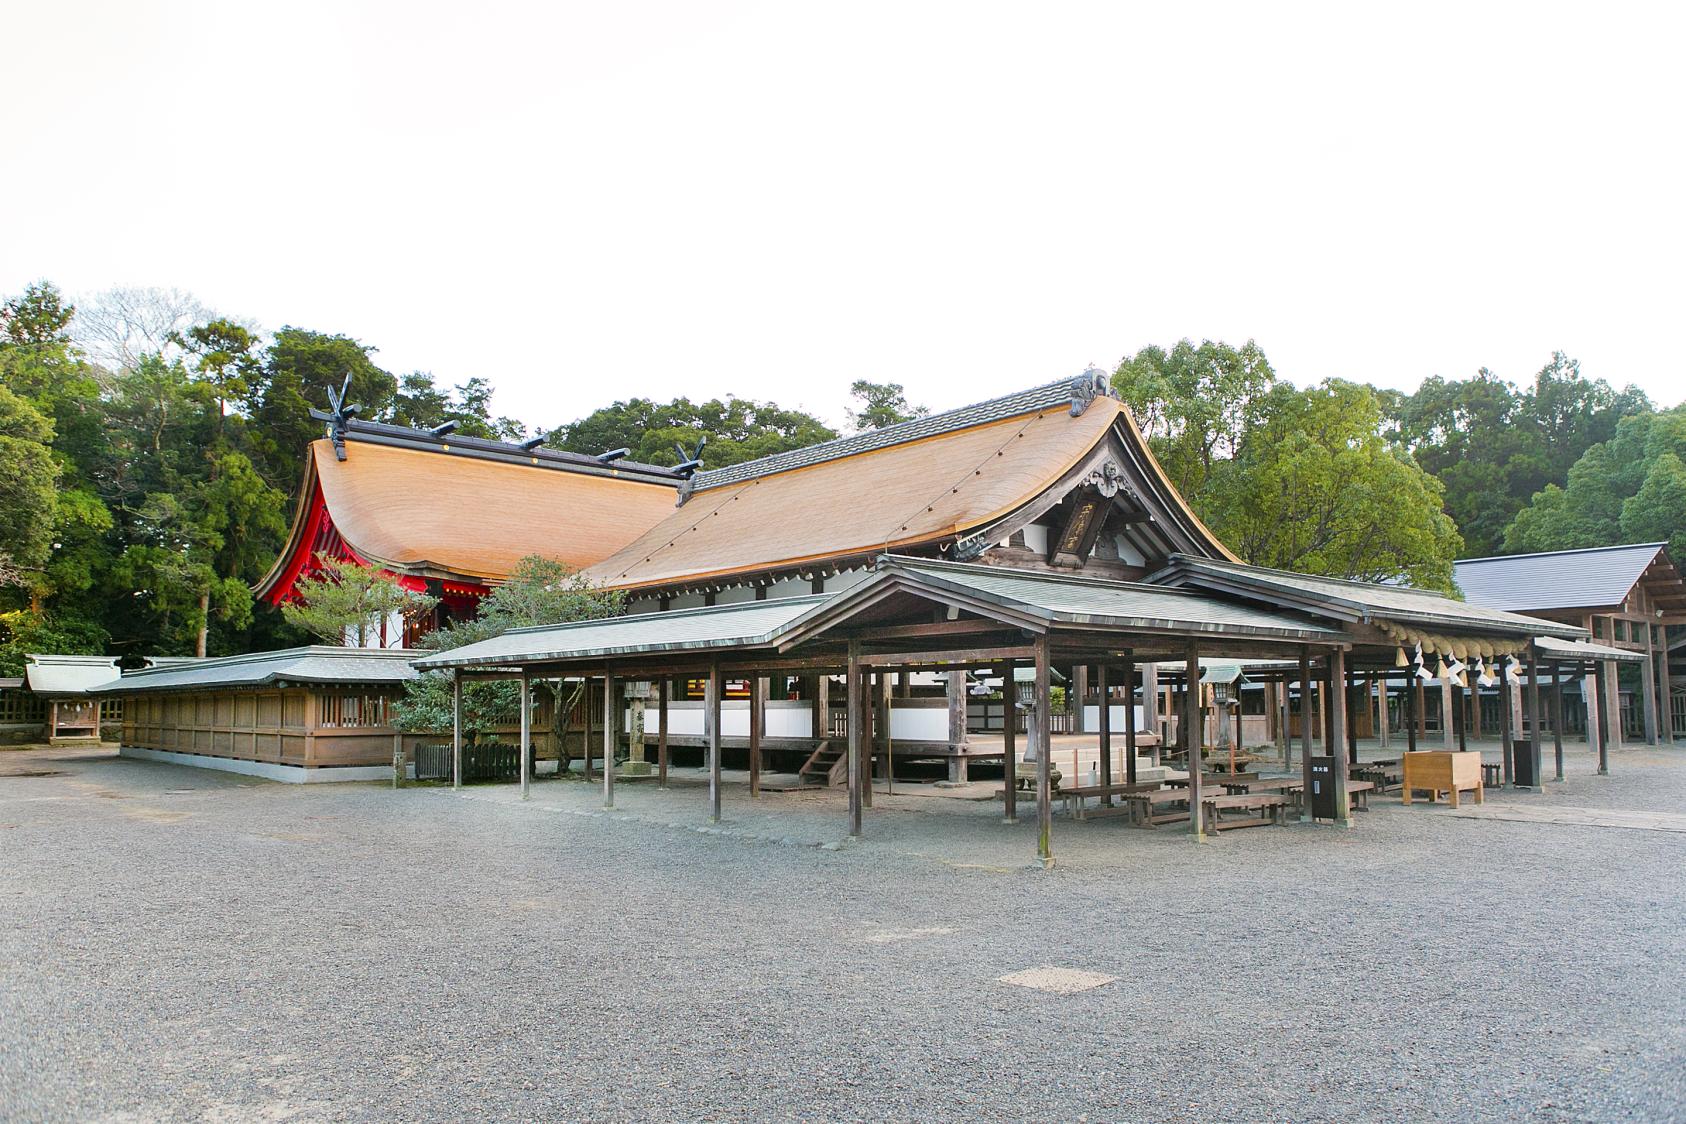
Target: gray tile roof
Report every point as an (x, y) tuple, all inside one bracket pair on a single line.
[(1361, 601), (1552, 648), (1083, 600), (747, 624), (315, 665), (1561, 579), (488, 449), (68, 675), (1059, 393)]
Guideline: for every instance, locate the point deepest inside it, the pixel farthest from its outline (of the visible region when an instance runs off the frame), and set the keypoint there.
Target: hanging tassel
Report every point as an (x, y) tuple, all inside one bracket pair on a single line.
[(1399, 659)]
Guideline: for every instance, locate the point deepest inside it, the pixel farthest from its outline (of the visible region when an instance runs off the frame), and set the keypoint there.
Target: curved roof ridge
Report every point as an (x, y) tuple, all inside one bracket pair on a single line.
[(1057, 393), (1552, 553)]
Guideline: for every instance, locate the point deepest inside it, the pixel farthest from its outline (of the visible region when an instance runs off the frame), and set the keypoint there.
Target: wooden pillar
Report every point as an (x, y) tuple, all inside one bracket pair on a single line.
[(1384, 732), (1044, 755), (1305, 728), (1080, 693), (1612, 692), (1279, 720), (1421, 696), (715, 688), (1605, 723), (1413, 701), (1337, 734), (1348, 683), (757, 716), (1103, 727), (585, 726), (1191, 723), (852, 684), (611, 734), (456, 728), (1534, 715), (1666, 685), (1557, 716), (1129, 721), (1648, 686), (1507, 742), (1150, 706), (957, 739), (822, 706), (526, 733), (1010, 747), (1448, 714), (661, 733)]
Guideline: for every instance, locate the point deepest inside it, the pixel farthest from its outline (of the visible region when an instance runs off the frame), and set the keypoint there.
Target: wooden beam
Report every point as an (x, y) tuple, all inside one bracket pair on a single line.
[(456, 730), (661, 732), (968, 658), (853, 685), (526, 734), (711, 722), (611, 735), (1044, 779)]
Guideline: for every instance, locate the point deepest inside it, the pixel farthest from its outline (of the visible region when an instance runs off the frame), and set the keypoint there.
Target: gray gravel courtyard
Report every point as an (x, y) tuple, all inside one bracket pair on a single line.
[(180, 944)]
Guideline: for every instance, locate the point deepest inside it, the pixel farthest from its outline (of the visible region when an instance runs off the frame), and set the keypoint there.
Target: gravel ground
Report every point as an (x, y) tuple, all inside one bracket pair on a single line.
[(178, 944)]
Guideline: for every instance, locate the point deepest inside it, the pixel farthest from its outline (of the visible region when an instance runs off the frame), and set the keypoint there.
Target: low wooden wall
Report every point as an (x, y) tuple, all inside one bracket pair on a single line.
[(298, 726)]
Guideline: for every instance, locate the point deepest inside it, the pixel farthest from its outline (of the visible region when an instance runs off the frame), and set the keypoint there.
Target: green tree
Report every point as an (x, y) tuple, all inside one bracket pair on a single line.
[(1494, 445), (1314, 487), (421, 404), (737, 430), (539, 592), (28, 484), (881, 404), (347, 603), (1622, 490), (299, 368), (1195, 404)]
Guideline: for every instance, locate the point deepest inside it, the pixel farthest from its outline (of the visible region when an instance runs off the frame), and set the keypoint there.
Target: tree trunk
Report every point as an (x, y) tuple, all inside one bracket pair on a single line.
[(204, 622)]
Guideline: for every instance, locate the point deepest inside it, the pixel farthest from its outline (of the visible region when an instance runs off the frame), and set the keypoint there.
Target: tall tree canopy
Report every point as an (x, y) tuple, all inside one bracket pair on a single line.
[(737, 430), (1299, 480), (1631, 488), (1493, 445), (881, 404)]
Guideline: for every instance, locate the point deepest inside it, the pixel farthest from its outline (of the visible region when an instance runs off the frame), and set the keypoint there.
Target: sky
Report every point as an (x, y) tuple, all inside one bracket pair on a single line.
[(587, 202)]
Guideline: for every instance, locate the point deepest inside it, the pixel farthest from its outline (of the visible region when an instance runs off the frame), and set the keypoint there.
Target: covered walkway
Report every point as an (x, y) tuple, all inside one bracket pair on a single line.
[(912, 614)]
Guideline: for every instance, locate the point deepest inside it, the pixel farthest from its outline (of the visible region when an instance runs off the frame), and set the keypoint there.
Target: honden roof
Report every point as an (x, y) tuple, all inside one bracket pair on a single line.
[(1042, 601), (916, 483), (417, 511), (1559, 579), (1358, 601), (315, 664)]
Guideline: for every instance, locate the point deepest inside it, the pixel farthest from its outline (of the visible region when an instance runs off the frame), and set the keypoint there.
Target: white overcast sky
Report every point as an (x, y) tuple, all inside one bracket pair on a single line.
[(584, 202)]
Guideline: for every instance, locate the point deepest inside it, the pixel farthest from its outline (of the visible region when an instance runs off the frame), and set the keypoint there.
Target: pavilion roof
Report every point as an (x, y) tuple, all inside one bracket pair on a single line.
[(1037, 601), (1367, 602), (315, 664), (746, 624), (1598, 577)]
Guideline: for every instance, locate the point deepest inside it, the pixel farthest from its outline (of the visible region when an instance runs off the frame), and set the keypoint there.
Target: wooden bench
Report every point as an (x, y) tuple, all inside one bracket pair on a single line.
[(1358, 792), (1076, 797), (1271, 806), (1144, 806), (1437, 772)]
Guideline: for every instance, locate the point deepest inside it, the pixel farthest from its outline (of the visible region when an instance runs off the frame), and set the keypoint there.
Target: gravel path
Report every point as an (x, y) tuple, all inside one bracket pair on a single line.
[(178, 944)]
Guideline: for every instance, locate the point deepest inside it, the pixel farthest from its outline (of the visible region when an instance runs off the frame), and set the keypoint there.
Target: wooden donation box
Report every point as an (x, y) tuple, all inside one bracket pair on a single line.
[(1439, 772)]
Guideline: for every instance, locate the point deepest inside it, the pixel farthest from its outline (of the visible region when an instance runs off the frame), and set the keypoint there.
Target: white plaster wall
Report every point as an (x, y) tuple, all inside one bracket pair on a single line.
[(1092, 718), (789, 587), (686, 601), (845, 580), (737, 595)]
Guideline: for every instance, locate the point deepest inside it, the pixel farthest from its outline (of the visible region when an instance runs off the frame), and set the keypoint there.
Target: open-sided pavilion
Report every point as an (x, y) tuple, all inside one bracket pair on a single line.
[(923, 614)]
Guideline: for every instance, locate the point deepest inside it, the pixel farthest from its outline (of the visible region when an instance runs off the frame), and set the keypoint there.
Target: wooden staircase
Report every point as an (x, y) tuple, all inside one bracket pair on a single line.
[(827, 765)]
